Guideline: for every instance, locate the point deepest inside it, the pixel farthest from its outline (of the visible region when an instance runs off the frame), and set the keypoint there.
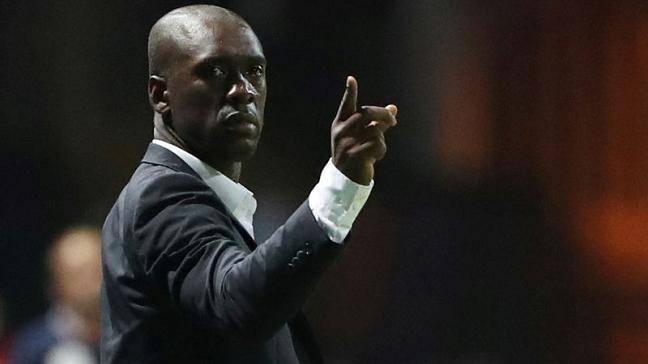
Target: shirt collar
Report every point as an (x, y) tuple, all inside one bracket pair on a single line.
[(237, 199)]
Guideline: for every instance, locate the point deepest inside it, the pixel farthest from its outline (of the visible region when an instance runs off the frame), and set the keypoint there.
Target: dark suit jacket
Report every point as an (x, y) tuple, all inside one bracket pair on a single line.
[(185, 283)]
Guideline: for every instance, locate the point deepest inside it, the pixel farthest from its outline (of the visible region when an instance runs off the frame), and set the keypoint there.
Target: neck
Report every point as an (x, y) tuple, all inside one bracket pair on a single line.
[(231, 169)]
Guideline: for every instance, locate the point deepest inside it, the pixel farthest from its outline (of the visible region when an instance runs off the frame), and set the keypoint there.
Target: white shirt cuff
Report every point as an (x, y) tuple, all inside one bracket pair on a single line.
[(336, 201)]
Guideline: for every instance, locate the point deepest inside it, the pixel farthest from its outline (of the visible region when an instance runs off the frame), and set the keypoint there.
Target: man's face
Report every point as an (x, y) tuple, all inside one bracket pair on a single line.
[(217, 91)]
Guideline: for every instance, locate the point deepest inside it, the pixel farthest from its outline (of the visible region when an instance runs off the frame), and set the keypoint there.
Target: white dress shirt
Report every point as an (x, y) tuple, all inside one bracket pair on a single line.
[(335, 201)]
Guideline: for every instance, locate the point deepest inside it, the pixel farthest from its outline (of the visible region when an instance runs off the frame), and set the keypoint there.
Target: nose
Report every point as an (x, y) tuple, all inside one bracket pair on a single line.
[(241, 92)]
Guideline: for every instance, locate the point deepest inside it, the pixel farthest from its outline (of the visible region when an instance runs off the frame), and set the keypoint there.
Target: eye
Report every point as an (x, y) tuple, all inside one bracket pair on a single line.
[(218, 71), (256, 71)]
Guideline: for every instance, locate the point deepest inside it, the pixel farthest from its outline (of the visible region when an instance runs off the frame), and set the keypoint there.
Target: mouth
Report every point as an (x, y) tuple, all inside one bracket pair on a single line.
[(242, 123)]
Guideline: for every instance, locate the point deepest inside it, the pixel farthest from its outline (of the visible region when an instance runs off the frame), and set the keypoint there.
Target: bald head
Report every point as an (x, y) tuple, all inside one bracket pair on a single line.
[(207, 85), (180, 30)]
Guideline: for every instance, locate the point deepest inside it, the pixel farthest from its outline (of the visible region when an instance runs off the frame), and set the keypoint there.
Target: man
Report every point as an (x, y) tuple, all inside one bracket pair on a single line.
[(69, 331), (184, 280)]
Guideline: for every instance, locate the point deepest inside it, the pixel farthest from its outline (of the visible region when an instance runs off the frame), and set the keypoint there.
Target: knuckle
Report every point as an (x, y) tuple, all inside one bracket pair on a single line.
[(335, 134), (346, 143), (380, 153), (354, 156)]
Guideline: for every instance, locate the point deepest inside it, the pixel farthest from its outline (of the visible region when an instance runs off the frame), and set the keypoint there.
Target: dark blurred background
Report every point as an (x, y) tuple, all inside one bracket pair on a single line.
[(509, 222)]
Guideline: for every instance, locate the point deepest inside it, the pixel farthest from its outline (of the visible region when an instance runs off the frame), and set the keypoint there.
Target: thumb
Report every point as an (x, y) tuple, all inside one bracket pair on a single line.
[(349, 99)]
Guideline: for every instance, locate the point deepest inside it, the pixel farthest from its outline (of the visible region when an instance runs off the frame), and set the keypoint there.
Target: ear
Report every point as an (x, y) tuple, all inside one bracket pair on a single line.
[(158, 95)]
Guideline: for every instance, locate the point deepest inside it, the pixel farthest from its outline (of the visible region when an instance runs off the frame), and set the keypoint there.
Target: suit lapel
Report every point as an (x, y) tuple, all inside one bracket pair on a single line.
[(159, 155)]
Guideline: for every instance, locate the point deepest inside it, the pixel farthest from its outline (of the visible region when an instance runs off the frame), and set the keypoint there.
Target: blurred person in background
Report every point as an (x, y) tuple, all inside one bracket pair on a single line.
[(69, 331)]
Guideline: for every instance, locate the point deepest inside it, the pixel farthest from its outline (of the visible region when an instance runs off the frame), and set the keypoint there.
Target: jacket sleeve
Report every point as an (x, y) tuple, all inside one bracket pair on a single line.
[(187, 245)]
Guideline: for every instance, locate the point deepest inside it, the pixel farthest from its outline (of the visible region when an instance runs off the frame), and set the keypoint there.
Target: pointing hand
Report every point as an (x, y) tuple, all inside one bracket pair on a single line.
[(357, 135)]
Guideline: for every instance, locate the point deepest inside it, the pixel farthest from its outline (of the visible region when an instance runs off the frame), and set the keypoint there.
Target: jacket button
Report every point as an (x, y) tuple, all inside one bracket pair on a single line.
[(301, 253), (295, 261), (307, 244)]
